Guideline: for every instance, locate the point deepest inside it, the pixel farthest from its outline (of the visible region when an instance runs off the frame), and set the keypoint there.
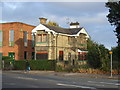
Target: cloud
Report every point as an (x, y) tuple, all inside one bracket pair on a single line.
[(12, 5), (91, 15)]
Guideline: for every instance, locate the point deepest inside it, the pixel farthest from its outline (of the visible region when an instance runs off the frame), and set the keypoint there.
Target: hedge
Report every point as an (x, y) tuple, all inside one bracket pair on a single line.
[(36, 65), (20, 65), (7, 61)]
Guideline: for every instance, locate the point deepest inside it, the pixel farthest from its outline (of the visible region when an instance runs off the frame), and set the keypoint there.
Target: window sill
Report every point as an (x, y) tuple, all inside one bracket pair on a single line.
[(42, 42)]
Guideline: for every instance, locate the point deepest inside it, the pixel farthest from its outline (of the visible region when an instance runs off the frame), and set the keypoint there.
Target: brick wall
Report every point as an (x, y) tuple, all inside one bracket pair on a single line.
[(18, 47)]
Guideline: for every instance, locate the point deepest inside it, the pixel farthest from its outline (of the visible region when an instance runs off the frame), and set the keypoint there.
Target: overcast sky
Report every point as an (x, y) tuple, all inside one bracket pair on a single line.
[(90, 15)]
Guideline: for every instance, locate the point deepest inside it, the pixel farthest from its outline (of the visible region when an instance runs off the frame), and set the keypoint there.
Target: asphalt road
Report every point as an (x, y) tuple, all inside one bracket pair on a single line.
[(27, 80)]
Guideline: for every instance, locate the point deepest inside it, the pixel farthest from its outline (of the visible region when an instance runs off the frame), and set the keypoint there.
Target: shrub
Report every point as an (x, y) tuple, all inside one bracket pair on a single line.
[(59, 68), (6, 58), (36, 64), (20, 65), (7, 61)]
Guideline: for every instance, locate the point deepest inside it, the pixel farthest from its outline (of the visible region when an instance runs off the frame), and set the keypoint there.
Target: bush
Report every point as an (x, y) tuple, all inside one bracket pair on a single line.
[(20, 65), (36, 65), (42, 64), (6, 58), (7, 61), (86, 66), (59, 69)]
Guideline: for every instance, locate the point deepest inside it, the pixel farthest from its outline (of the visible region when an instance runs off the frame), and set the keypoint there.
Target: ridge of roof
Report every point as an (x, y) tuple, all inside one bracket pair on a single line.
[(70, 31), (17, 22)]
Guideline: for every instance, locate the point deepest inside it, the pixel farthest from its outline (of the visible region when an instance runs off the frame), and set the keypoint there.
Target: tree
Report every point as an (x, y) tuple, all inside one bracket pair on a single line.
[(98, 56), (53, 23), (114, 16), (116, 56), (93, 55)]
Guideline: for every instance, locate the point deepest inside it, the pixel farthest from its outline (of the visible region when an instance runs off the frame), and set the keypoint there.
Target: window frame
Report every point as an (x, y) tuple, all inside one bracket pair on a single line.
[(25, 35), (11, 38), (1, 36)]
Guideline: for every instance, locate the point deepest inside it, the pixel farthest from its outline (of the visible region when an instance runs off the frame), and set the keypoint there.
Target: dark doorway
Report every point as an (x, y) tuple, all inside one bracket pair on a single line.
[(25, 55), (61, 55), (33, 55)]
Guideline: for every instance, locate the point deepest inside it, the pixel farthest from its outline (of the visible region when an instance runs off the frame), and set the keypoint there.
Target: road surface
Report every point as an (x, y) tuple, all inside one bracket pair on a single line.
[(16, 79)]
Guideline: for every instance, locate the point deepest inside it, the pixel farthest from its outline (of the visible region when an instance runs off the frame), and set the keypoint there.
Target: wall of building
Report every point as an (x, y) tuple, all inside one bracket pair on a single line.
[(18, 47), (57, 43)]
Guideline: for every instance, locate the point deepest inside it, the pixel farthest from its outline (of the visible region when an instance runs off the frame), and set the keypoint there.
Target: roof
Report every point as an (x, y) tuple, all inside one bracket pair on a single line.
[(16, 23), (70, 31), (59, 30)]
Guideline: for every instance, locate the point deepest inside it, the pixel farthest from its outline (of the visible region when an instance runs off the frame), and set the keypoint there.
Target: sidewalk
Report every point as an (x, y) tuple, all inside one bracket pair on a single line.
[(65, 74), (93, 75)]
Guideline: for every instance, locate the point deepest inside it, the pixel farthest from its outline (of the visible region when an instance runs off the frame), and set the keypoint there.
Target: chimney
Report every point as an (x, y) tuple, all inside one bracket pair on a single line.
[(74, 25), (43, 20)]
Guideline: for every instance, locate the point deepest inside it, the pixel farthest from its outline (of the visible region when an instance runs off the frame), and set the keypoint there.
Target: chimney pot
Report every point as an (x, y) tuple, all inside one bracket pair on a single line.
[(43, 20), (74, 25)]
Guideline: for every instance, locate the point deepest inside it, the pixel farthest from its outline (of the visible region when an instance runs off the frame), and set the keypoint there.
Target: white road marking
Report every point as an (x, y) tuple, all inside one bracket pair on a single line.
[(103, 82), (26, 78), (75, 86), (10, 83)]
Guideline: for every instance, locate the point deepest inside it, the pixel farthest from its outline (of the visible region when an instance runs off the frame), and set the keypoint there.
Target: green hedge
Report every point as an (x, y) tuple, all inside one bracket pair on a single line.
[(20, 65), (7, 61), (35, 65)]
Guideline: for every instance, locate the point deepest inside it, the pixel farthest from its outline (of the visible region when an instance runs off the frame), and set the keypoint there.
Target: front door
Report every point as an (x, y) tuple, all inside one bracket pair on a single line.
[(12, 55)]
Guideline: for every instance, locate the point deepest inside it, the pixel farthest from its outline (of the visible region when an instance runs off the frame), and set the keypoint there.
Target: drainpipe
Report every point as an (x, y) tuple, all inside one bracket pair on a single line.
[(56, 46), (35, 45)]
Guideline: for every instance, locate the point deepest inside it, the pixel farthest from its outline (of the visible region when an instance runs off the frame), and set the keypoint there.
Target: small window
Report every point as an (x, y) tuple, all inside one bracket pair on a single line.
[(1, 38), (25, 38), (44, 38), (61, 55), (39, 39), (11, 38), (33, 41)]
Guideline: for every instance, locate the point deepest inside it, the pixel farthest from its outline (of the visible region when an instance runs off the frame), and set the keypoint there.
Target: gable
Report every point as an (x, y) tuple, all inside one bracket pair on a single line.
[(59, 30), (84, 32)]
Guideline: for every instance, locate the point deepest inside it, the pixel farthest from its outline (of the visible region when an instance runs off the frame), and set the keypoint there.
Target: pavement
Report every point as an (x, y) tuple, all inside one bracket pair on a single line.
[(66, 74), (51, 79)]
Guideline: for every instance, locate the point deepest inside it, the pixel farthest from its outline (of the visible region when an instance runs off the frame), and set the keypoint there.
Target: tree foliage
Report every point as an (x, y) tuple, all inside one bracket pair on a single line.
[(93, 55), (114, 16), (116, 57), (98, 56), (52, 23)]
